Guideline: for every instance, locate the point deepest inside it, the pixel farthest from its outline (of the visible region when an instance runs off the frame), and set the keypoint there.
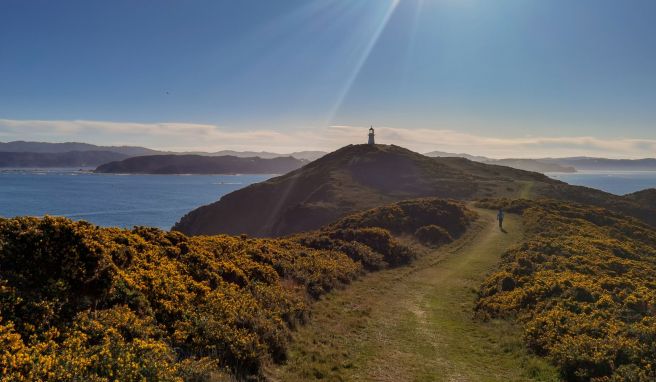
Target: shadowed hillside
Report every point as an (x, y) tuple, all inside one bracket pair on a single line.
[(357, 177), (352, 178)]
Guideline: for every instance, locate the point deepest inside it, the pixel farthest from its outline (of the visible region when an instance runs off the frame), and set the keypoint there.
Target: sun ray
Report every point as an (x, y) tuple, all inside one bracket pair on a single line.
[(362, 59)]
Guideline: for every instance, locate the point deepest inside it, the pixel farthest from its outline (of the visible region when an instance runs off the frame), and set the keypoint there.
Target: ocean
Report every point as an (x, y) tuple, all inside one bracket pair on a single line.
[(615, 182), (112, 200), (161, 200)]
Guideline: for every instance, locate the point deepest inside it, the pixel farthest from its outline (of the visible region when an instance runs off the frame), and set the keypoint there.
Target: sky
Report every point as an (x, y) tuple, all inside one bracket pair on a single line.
[(504, 78)]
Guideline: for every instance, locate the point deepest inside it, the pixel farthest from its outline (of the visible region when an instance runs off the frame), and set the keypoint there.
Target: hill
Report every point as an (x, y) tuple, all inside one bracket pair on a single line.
[(647, 197), (352, 178), (64, 159), (85, 303), (198, 164), (358, 177)]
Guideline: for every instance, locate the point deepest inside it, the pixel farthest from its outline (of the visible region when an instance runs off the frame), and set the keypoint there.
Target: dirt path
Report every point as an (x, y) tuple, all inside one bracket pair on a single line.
[(415, 323)]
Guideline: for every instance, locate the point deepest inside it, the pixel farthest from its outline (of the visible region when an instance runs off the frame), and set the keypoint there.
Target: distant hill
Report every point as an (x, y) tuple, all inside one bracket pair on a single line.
[(307, 155), (65, 159), (133, 151), (352, 178), (198, 164), (570, 164), (532, 165), (536, 165), (604, 164), (475, 158), (45, 147)]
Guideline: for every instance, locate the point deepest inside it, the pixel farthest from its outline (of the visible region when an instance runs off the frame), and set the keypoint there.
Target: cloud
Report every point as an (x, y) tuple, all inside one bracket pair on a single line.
[(207, 137)]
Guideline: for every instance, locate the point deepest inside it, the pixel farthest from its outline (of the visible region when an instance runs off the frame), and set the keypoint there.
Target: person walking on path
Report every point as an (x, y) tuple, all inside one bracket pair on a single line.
[(500, 216)]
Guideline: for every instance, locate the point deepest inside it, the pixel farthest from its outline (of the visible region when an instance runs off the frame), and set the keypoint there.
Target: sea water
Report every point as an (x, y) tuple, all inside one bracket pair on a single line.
[(160, 200), (615, 182), (112, 200)]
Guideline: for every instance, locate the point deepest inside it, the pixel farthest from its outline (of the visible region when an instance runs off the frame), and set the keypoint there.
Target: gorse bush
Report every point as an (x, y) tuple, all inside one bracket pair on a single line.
[(410, 216), (584, 287), (83, 303), (433, 234)]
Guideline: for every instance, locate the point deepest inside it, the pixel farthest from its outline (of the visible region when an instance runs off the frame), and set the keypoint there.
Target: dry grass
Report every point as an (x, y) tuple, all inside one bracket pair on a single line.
[(415, 323)]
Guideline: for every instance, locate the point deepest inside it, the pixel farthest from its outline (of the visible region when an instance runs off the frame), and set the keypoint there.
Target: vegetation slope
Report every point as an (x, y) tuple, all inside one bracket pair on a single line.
[(199, 164), (646, 198), (79, 302), (584, 286)]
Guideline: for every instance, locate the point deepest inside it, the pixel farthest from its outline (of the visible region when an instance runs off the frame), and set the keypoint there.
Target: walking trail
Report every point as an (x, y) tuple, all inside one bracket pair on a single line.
[(416, 323)]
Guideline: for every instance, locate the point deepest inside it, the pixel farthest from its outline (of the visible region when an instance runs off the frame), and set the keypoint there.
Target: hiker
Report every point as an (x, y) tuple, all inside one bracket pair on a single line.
[(500, 217)]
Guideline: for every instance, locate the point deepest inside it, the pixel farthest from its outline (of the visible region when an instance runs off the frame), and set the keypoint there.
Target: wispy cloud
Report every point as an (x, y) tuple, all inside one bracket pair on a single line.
[(191, 136)]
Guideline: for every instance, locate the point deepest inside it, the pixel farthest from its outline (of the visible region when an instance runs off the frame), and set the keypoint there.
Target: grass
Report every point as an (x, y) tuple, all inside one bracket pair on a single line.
[(415, 323)]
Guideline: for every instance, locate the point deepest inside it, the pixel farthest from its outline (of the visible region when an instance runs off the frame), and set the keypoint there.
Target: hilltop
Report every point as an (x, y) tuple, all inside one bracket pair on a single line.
[(198, 164), (352, 178), (358, 177)]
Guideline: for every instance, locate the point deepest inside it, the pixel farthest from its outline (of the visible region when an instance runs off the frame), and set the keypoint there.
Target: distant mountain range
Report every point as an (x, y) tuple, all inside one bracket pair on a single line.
[(101, 156), (603, 164), (63, 159), (536, 165), (568, 164), (199, 164), (45, 147), (76, 154)]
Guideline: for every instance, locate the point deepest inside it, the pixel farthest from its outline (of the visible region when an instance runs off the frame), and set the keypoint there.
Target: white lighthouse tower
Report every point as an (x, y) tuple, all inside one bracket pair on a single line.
[(371, 136)]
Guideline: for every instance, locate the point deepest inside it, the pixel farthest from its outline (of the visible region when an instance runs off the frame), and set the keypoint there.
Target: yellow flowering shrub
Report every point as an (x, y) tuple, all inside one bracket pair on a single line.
[(84, 303), (584, 286)]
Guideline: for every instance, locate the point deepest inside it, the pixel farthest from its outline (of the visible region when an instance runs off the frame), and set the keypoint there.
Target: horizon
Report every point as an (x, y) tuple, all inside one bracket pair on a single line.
[(513, 79), (200, 152)]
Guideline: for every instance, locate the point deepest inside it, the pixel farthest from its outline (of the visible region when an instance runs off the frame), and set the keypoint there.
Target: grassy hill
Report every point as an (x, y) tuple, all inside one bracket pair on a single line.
[(84, 303), (358, 177), (583, 286), (350, 179)]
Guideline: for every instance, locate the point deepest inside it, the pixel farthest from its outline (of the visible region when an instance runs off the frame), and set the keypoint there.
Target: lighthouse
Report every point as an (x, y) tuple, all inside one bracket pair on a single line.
[(371, 136)]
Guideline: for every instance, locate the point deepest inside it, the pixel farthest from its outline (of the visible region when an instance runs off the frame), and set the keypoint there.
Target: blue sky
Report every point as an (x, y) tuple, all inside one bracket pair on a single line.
[(499, 78)]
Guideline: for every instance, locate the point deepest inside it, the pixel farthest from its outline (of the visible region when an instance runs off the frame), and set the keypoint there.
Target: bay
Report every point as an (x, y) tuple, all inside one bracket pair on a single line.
[(110, 199), (615, 182)]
